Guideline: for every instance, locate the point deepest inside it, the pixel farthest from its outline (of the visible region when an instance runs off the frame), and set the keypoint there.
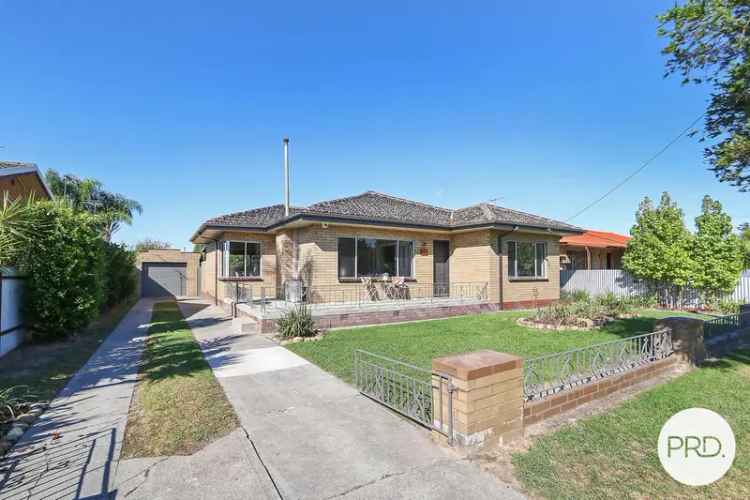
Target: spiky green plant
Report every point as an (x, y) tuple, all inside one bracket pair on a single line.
[(19, 223)]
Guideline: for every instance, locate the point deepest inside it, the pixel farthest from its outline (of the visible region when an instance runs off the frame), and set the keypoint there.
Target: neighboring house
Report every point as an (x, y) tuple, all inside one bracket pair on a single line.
[(23, 179), (332, 245), (593, 250), (168, 273)]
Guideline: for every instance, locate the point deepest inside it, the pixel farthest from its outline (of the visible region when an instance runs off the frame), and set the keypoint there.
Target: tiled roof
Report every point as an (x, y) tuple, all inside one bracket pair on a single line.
[(597, 239), (382, 208), (16, 164)]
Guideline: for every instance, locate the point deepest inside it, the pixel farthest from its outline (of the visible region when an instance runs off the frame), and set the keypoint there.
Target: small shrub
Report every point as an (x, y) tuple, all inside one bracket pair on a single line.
[(728, 307), (14, 401), (297, 322), (580, 296), (648, 300)]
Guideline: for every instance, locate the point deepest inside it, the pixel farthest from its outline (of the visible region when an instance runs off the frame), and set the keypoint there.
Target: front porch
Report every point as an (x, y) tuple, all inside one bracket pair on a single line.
[(355, 304)]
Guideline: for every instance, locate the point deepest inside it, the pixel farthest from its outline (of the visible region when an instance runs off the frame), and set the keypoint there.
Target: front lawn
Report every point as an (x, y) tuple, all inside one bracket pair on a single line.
[(178, 406), (419, 342), (614, 455)]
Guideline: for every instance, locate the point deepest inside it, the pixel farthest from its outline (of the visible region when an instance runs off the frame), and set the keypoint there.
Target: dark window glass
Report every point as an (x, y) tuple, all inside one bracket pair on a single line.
[(512, 259), (236, 259), (346, 258), (253, 260)]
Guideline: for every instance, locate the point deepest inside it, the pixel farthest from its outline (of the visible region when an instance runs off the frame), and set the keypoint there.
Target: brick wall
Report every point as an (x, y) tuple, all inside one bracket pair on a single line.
[(537, 411), (268, 265), (191, 259), (527, 293), (474, 258)]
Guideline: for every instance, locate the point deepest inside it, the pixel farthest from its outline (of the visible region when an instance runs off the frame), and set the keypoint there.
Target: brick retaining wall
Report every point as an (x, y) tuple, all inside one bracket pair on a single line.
[(536, 411)]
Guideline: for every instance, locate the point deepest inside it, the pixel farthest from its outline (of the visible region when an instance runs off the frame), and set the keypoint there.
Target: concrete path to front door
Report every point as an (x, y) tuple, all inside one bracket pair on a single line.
[(317, 437)]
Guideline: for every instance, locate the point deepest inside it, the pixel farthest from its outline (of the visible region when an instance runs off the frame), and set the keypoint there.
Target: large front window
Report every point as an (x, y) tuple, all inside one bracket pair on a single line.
[(241, 259), (373, 257), (527, 259)]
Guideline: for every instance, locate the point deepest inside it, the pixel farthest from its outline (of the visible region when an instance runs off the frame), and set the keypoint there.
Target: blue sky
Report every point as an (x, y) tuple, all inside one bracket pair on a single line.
[(183, 105)]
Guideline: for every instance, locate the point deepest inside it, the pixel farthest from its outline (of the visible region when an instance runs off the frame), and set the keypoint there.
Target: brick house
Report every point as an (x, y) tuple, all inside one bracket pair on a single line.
[(434, 252)]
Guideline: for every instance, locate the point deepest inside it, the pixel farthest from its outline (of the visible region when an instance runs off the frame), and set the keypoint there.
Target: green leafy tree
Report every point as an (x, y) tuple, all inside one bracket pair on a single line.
[(716, 251), (744, 230), (660, 248), (709, 42), (66, 271), (147, 244), (111, 209), (121, 275)]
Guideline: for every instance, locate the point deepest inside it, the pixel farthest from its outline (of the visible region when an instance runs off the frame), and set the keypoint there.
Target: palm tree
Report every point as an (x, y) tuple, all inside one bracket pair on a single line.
[(112, 209)]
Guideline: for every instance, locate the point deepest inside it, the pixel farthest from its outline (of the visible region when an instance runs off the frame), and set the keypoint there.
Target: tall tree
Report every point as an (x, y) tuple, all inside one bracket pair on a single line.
[(111, 209), (20, 224), (717, 252), (709, 41), (660, 247), (744, 230)]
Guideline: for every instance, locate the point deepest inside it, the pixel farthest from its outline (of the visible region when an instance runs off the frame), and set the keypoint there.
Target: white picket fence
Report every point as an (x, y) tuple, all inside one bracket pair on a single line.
[(623, 284), (11, 321)]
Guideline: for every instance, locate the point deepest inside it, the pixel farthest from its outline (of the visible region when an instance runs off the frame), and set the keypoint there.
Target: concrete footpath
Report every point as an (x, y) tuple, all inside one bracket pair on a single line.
[(71, 451), (317, 437)]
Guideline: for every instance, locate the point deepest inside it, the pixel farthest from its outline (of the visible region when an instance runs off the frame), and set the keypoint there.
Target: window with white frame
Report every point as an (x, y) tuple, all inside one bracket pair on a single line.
[(242, 259), (527, 259), (360, 257)]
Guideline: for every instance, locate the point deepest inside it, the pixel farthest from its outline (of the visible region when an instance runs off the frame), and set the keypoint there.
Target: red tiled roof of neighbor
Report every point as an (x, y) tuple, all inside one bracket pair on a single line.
[(596, 239)]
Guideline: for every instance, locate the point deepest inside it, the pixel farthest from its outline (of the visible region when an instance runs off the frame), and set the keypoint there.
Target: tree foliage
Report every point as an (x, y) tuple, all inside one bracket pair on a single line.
[(744, 230), (709, 42), (147, 244), (65, 266), (72, 273), (660, 248), (110, 209), (716, 251)]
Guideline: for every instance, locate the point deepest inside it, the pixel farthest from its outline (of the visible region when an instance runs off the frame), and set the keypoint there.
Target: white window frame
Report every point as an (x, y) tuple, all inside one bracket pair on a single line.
[(225, 258), (356, 256), (545, 262)]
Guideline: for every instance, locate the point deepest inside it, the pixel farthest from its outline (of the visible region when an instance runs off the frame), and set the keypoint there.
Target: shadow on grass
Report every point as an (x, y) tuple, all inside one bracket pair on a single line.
[(171, 349)]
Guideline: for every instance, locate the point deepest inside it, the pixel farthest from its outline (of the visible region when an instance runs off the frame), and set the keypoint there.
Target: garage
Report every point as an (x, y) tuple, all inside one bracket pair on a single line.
[(164, 279)]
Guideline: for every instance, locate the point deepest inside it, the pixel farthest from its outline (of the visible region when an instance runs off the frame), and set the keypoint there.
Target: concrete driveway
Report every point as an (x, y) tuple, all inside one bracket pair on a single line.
[(317, 437)]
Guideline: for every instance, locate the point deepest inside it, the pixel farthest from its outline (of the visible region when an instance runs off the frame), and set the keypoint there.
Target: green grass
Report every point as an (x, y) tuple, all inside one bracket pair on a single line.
[(45, 367), (178, 406), (614, 455), (417, 343)]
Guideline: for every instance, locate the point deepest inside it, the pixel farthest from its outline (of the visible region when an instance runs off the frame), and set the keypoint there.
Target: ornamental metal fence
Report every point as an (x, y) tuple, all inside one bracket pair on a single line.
[(358, 294), (725, 324), (421, 395), (552, 373)]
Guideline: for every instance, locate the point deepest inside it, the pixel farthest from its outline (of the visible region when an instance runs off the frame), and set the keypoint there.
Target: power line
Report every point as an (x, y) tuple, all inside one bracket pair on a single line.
[(637, 171)]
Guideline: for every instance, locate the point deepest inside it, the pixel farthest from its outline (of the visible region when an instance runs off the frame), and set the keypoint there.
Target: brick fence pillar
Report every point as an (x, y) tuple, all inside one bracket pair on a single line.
[(487, 398), (687, 338)]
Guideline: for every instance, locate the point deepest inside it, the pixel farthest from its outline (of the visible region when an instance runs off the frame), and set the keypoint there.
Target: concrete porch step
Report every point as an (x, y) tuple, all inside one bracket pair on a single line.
[(245, 325)]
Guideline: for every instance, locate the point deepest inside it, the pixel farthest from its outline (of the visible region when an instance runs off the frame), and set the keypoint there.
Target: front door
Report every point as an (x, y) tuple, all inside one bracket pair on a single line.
[(441, 268)]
